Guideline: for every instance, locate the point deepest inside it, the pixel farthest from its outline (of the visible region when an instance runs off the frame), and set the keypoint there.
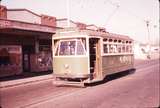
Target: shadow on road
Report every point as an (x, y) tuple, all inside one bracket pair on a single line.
[(113, 77)]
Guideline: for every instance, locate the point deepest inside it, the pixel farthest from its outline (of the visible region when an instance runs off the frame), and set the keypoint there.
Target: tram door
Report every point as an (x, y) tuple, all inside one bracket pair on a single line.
[(94, 47)]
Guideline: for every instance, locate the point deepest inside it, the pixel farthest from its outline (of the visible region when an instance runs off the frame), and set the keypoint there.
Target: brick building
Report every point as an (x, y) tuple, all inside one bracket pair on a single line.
[(25, 41)]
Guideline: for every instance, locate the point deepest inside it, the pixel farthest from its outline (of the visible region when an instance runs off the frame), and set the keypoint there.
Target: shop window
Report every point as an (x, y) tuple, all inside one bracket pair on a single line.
[(4, 57), (10, 55), (45, 45)]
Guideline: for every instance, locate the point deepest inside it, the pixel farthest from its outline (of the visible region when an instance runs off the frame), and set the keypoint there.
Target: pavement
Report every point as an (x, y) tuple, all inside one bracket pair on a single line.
[(29, 80)]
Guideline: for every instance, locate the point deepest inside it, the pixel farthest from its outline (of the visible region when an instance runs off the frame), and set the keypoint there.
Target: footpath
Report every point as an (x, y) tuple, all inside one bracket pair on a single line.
[(29, 80)]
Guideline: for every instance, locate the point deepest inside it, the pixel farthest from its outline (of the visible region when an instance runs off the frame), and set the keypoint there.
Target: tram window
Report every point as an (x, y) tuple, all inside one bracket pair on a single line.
[(130, 49), (111, 49), (123, 48), (84, 42), (110, 40), (67, 48), (127, 49), (115, 40), (56, 43), (105, 48), (105, 40), (80, 48), (119, 49), (114, 48)]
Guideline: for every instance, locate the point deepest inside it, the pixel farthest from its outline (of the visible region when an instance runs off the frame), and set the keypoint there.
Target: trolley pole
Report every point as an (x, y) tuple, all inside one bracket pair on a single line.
[(68, 14), (149, 47)]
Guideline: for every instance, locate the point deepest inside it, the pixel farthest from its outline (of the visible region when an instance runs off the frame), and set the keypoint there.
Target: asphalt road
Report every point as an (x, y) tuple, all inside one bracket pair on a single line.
[(137, 90)]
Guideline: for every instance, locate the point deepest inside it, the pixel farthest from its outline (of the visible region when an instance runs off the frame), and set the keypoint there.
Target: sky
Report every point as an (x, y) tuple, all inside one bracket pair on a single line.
[(126, 17)]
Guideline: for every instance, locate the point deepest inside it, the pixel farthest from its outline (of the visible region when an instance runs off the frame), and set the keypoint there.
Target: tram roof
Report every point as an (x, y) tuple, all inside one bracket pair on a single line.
[(74, 32)]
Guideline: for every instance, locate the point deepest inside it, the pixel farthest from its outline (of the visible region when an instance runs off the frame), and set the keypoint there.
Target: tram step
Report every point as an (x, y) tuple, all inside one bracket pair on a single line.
[(68, 83)]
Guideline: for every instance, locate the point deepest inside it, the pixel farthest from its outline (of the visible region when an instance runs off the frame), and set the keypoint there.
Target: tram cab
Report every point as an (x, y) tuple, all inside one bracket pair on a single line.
[(78, 56)]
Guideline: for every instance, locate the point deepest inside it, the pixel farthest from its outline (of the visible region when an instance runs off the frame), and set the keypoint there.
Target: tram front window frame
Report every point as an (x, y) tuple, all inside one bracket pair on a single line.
[(70, 47)]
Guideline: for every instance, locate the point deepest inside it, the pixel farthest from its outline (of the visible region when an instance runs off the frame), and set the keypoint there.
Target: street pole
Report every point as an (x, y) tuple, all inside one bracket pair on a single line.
[(149, 47), (68, 14)]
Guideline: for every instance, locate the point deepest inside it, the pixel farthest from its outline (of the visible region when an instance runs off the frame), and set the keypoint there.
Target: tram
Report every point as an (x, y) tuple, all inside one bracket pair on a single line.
[(87, 56)]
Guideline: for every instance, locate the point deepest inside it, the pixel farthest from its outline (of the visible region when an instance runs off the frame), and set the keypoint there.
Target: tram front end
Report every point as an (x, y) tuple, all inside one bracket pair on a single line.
[(70, 61)]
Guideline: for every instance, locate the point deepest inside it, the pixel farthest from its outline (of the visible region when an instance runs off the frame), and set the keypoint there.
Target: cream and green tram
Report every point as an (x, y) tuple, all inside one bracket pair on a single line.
[(86, 56)]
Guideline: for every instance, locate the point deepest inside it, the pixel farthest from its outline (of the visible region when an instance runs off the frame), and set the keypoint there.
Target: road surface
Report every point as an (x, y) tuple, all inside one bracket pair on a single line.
[(137, 90)]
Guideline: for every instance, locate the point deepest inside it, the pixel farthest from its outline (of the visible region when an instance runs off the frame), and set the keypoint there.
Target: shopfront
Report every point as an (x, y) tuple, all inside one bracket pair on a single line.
[(24, 47)]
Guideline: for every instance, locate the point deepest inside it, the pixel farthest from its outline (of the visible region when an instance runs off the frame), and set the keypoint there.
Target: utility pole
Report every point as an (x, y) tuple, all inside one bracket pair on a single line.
[(149, 47), (68, 14)]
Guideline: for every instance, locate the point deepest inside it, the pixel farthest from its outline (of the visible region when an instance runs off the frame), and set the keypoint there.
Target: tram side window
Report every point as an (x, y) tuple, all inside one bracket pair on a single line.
[(119, 49), (110, 48), (105, 48), (80, 48), (123, 49), (130, 49)]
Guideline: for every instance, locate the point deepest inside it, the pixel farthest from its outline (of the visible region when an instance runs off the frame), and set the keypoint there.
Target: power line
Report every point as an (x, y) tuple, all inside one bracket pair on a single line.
[(112, 14)]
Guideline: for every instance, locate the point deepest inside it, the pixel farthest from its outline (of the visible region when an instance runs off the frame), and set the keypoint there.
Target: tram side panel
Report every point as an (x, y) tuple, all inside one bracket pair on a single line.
[(116, 63)]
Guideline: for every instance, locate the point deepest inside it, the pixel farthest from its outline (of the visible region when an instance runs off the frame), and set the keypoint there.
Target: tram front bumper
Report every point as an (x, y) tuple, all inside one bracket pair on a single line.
[(73, 76)]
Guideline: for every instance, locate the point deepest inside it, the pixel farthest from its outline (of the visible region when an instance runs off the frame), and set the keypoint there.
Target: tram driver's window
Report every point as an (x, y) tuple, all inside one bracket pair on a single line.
[(67, 48)]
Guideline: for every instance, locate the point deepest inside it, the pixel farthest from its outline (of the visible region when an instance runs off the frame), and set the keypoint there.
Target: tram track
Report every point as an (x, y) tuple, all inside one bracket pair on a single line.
[(32, 94), (82, 91), (65, 94), (59, 93), (37, 94)]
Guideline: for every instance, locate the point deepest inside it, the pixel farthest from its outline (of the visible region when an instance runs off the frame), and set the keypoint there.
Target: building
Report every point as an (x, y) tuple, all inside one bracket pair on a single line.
[(63, 23), (25, 41)]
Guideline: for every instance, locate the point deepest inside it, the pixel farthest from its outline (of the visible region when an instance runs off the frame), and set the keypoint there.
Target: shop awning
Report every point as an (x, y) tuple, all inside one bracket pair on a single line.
[(18, 27)]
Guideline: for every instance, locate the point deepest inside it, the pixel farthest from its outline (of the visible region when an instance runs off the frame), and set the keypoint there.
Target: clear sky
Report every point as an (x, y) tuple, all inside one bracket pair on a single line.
[(128, 19)]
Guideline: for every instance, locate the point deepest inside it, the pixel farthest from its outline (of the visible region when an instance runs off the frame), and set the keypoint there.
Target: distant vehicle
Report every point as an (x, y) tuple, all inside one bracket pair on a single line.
[(87, 56)]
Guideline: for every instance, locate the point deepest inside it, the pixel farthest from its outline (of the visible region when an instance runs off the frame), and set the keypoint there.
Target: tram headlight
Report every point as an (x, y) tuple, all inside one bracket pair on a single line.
[(66, 66)]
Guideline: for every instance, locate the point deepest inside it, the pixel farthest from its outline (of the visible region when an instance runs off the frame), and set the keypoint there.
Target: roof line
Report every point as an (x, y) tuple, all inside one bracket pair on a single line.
[(23, 9)]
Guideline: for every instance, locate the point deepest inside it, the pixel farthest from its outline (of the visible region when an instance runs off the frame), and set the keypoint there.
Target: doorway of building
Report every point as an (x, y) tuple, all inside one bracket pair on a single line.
[(26, 50)]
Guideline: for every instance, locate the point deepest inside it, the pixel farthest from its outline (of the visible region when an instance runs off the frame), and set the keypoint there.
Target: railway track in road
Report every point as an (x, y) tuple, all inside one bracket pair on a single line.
[(141, 72), (141, 68), (146, 63), (58, 93), (23, 96), (35, 94)]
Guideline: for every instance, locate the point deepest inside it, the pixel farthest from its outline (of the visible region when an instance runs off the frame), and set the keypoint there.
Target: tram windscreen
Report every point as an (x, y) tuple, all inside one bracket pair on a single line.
[(67, 48), (70, 47)]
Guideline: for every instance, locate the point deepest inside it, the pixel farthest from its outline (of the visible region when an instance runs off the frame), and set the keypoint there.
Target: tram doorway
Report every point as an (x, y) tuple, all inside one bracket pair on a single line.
[(94, 52)]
